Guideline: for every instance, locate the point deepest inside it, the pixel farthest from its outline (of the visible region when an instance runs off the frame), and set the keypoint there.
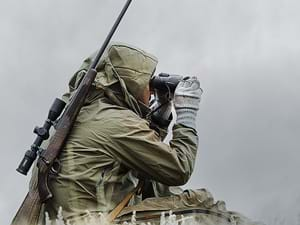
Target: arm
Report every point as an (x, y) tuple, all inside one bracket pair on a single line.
[(138, 147)]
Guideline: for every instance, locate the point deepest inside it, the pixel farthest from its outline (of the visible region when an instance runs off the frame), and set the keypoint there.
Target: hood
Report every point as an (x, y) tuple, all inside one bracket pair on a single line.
[(123, 66)]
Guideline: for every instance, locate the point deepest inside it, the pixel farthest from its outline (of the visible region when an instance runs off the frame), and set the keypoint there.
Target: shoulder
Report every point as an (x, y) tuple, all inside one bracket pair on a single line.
[(124, 120), (109, 118)]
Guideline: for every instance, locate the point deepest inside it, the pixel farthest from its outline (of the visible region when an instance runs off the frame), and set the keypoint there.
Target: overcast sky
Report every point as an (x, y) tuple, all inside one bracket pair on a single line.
[(245, 53)]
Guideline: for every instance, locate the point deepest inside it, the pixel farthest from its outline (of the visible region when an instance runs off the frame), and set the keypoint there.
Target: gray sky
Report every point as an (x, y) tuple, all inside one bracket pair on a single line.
[(246, 54)]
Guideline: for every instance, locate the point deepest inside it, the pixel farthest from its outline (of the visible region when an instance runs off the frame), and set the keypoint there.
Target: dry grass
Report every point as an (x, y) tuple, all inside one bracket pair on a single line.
[(101, 220)]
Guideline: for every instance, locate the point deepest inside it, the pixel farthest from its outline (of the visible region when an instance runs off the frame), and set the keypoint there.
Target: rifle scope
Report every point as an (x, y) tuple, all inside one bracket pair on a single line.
[(42, 134)]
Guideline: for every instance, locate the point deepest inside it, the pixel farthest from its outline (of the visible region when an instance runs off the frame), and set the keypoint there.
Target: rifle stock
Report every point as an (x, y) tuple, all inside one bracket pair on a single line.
[(29, 211)]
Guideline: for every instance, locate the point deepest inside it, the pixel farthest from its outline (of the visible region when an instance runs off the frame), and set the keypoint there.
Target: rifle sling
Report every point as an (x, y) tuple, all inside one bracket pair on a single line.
[(116, 211)]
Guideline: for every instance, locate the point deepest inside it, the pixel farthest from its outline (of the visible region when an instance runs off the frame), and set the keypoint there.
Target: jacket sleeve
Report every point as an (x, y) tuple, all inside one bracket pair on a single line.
[(138, 147)]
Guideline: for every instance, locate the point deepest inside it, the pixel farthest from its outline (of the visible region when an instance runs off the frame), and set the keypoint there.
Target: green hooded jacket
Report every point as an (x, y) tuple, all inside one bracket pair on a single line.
[(111, 143)]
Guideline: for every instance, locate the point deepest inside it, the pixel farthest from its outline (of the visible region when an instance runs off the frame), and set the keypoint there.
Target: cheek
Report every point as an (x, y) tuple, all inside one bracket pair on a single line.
[(146, 96)]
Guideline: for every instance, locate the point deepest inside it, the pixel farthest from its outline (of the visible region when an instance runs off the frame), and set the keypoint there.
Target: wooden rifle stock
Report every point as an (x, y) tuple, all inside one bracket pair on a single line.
[(29, 211)]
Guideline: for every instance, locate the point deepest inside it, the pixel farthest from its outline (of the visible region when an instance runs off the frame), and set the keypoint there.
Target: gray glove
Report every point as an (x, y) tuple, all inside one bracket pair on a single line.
[(187, 98)]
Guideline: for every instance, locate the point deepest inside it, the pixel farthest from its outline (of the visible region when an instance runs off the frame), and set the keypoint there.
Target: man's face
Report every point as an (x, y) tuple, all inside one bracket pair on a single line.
[(146, 96)]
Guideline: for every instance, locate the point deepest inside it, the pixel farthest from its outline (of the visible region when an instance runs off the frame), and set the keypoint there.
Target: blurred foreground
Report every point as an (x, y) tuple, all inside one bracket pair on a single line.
[(164, 220)]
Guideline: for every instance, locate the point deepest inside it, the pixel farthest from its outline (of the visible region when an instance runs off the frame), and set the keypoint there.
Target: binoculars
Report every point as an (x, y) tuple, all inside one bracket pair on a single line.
[(163, 87), (164, 82)]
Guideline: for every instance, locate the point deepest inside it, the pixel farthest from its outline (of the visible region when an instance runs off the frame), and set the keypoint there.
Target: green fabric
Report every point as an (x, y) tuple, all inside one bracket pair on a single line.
[(110, 145), (128, 66), (199, 205), (106, 148)]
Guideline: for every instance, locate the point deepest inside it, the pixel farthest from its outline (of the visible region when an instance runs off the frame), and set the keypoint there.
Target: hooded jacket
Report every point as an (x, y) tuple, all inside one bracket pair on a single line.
[(111, 143)]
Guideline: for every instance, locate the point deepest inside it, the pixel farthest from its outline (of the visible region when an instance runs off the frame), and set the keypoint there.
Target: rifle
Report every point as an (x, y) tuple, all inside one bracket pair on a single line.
[(29, 211)]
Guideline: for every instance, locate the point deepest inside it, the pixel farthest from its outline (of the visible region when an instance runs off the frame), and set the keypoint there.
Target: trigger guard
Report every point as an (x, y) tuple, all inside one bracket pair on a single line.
[(55, 169)]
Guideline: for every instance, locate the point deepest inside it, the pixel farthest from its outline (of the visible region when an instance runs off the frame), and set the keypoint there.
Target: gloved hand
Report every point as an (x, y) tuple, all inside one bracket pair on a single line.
[(187, 98)]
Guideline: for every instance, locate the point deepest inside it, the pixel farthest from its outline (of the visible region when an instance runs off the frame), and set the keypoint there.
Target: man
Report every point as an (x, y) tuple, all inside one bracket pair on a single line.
[(112, 146)]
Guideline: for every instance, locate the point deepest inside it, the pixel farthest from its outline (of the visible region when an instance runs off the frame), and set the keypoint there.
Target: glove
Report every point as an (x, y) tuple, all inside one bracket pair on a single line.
[(187, 98)]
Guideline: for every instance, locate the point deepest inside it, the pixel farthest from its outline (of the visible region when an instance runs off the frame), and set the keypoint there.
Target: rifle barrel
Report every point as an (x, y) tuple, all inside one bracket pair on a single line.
[(110, 34)]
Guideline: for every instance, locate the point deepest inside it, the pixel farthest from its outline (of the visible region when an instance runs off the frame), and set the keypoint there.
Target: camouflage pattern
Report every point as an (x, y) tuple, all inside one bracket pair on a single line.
[(111, 143)]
